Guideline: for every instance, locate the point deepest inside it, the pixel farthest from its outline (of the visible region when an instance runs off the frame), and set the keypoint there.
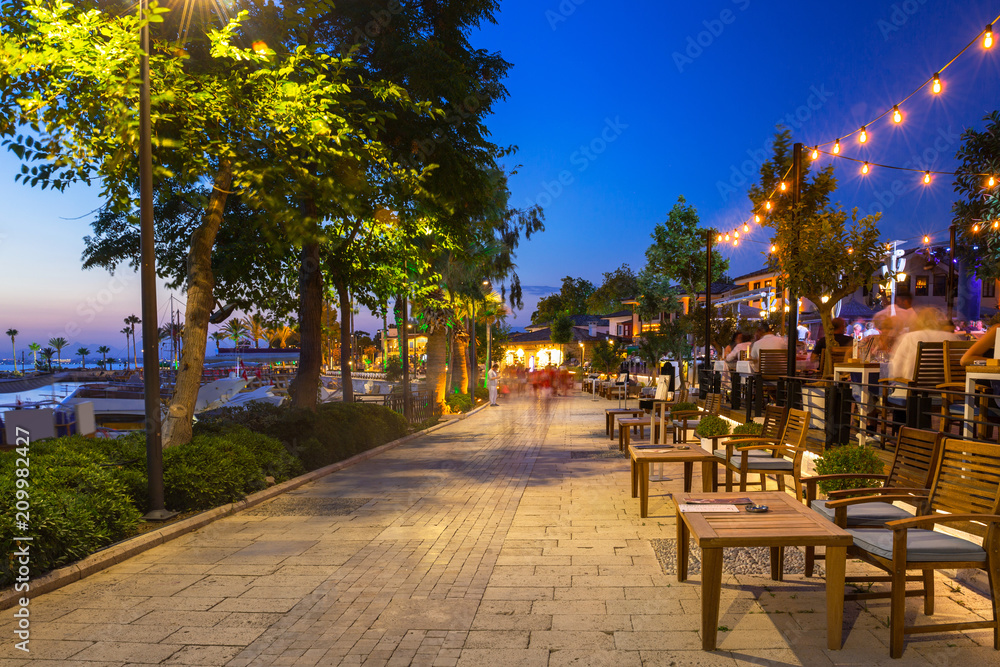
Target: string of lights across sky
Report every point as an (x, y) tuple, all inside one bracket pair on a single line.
[(935, 85)]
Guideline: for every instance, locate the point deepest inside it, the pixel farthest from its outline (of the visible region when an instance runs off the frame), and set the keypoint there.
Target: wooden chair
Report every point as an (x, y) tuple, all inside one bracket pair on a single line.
[(773, 364), (791, 443), (953, 405), (772, 428), (686, 420), (928, 373), (963, 494), (909, 478)]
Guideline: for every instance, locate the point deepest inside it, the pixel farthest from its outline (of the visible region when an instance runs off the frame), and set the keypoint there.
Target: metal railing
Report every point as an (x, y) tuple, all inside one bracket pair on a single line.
[(422, 404)]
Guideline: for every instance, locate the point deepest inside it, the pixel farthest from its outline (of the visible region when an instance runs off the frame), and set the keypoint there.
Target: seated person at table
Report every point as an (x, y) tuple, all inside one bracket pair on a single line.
[(739, 344), (985, 348), (840, 338), (767, 341)]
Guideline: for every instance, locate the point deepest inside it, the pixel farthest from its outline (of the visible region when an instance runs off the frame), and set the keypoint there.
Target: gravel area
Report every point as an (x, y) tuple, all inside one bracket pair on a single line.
[(611, 453), (741, 560), (308, 506)]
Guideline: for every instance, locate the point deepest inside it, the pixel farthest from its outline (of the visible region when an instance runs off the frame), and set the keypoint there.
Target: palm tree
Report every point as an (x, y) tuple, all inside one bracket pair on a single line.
[(128, 332), (59, 343), (35, 349), (235, 330), (13, 334), (218, 337), (82, 352), (257, 326), (47, 354), (281, 335), (131, 321), (103, 351)]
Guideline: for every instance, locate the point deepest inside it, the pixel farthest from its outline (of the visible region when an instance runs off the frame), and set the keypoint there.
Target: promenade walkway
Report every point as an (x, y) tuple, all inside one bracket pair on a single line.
[(509, 538)]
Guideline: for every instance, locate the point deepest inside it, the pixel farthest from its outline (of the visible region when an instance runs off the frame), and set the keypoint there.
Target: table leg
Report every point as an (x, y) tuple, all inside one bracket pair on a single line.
[(623, 437), (708, 472), (607, 425), (643, 489), (635, 479), (711, 591), (777, 563), (688, 475), (683, 548), (970, 408), (836, 564)]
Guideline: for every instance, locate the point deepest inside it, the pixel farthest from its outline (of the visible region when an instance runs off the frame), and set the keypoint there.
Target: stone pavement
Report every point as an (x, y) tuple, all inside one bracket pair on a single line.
[(509, 538)]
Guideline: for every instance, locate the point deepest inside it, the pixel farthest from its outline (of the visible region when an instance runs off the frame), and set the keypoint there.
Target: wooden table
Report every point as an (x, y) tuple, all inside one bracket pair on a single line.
[(625, 426), (973, 373), (642, 455), (611, 413), (788, 523), (868, 371)]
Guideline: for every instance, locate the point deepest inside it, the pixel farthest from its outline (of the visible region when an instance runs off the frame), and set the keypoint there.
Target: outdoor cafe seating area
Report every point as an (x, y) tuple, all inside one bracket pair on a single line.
[(935, 434)]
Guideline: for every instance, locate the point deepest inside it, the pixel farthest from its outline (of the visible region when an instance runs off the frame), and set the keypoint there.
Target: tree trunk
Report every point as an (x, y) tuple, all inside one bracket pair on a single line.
[(305, 387), (452, 378), (436, 344), (200, 300), (460, 362), (826, 316), (345, 341)]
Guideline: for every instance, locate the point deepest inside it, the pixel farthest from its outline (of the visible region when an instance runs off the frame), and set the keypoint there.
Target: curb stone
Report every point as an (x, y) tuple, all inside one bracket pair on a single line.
[(122, 551)]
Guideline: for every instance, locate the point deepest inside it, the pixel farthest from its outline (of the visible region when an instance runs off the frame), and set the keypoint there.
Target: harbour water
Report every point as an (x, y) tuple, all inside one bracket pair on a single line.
[(55, 392)]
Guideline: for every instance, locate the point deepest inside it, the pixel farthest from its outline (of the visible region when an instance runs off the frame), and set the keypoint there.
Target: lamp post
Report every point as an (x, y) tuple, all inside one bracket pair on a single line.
[(147, 252), (489, 339)]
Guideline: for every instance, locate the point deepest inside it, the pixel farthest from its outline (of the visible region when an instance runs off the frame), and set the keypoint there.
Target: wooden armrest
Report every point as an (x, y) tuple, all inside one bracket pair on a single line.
[(853, 475), (885, 498), (766, 447), (876, 490), (896, 380), (920, 521), (735, 439), (950, 385)]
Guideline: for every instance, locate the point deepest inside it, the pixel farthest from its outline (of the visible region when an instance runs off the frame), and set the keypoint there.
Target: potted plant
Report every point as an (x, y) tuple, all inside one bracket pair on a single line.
[(849, 459), (750, 429), (710, 427)]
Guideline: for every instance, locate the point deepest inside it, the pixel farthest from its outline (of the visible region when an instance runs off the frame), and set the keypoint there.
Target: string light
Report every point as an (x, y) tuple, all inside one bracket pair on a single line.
[(783, 186), (825, 298), (850, 251), (863, 137), (896, 116), (836, 147), (927, 178), (727, 236), (736, 234), (815, 153), (746, 228), (865, 168), (736, 242), (990, 182), (719, 239), (756, 217), (975, 229), (988, 37), (927, 240), (936, 86), (767, 205), (996, 224), (774, 248)]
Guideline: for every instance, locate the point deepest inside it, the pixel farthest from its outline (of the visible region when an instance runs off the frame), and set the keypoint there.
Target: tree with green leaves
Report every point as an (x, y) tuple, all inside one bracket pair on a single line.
[(561, 332), (679, 253), (83, 353), (607, 356), (618, 285), (47, 354), (979, 201), (130, 322), (35, 348), (821, 251), (104, 350), (571, 299)]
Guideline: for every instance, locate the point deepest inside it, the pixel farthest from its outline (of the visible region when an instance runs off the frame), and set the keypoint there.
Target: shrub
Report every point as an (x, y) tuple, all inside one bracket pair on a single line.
[(849, 459), (458, 402), (210, 470), (483, 393), (750, 428), (683, 407), (711, 425), (78, 504), (394, 369)]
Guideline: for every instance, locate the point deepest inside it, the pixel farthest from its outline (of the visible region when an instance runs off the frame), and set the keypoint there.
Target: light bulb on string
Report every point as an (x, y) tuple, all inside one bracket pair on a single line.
[(756, 217), (936, 85), (927, 178), (727, 236), (850, 251), (865, 168), (774, 248), (746, 228), (863, 137), (783, 186), (815, 153), (990, 182), (975, 229), (927, 240), (767, 205), (896, 116), (836, 147), (996, 224), (736, 233), (736, 242), (719, 239), (988, 37)]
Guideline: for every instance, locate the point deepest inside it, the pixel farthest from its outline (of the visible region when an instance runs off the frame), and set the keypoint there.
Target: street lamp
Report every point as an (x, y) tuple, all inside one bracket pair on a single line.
[(147, 274)]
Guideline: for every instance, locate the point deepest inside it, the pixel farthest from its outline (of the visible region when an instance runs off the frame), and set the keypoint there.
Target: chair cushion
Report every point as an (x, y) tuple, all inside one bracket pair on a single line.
[(921, 545), (762, 463), (868, 514)]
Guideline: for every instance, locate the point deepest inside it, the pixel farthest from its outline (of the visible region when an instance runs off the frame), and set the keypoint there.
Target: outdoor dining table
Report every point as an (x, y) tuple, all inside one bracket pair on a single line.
[(611, 414), (787, 523), (642, 455)]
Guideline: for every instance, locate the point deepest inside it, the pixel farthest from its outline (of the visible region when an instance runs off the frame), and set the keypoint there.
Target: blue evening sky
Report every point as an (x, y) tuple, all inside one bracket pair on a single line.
[(617, 108)]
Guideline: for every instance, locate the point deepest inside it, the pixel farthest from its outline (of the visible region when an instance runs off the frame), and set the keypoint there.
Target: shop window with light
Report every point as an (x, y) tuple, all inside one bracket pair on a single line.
[(989, 289), (767, 283), (920, 287), (940, 284), (756, 285)]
